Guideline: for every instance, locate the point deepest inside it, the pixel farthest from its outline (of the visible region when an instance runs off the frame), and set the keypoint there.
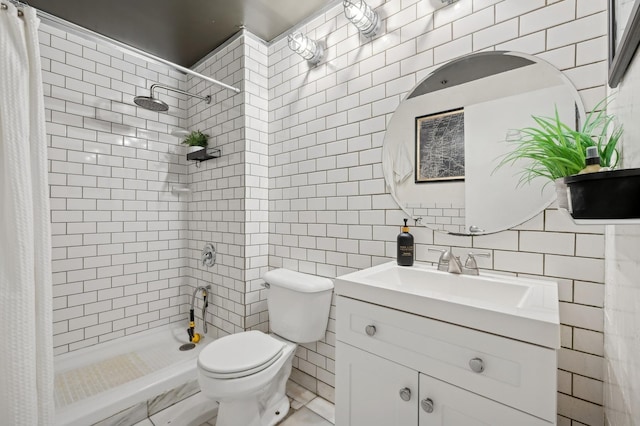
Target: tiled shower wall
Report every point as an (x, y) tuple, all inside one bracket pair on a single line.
[(228, 203), (117, 229), (126, 248), (329, 211)]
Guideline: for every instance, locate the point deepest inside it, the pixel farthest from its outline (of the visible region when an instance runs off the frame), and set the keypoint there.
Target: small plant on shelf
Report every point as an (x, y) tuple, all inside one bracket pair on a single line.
[(197, 139), (555, 150)]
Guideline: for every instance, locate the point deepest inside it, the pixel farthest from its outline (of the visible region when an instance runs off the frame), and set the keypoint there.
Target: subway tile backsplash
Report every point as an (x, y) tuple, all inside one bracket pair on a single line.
[(299, 183)]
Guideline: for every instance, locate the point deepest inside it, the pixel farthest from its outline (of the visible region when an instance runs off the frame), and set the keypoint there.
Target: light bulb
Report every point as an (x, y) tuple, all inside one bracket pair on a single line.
[(362, 16)]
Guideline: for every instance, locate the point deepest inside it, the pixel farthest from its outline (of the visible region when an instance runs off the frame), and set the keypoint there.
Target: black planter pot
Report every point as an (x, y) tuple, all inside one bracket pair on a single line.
[(605, 195)]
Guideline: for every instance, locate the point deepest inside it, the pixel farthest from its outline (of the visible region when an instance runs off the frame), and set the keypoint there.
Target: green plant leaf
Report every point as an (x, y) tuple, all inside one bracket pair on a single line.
[(553, 149)]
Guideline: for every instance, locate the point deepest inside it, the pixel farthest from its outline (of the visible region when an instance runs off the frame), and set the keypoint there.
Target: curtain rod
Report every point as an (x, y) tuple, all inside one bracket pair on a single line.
[(99, 38)]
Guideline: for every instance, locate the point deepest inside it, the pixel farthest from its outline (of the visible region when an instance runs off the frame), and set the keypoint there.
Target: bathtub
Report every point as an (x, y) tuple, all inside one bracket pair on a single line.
[(129, 378)]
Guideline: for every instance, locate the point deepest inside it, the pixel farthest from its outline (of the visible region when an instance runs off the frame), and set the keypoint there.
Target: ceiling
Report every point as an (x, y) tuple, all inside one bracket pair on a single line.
[(182, 31)]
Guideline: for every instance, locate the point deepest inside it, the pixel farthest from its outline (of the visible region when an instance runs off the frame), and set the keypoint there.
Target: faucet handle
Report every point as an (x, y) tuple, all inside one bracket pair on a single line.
[(443, 260), (471, 264), (442, 252)]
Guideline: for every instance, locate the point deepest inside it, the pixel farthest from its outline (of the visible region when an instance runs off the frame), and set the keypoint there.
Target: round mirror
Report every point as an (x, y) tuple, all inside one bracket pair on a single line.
[(447, 137)]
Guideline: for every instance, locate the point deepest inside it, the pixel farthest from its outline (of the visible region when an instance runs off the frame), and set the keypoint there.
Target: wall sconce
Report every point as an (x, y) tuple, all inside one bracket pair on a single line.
[(309, 49), (362, 16)]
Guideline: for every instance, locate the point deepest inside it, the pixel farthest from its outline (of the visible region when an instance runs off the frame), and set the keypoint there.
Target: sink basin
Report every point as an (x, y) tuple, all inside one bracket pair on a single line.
[(519, 308), (465, 288)]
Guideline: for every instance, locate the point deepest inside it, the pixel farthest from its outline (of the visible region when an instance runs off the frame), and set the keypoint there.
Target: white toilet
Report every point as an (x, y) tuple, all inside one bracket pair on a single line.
[(247, 372)]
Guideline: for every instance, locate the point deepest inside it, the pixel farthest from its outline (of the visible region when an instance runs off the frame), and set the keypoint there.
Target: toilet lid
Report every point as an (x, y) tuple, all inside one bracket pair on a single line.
[(246, 352)]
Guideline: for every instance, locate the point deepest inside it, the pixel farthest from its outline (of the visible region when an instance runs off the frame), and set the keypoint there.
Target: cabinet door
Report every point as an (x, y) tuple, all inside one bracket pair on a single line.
[(442, 404), (370, 390)]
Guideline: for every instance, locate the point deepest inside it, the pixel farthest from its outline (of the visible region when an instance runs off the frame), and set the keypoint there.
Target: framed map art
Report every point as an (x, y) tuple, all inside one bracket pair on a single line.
[(440, 146)]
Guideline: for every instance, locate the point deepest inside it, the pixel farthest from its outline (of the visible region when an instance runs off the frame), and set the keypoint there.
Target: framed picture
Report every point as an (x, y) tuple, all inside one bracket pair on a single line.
[(624, 36), (440, 146)]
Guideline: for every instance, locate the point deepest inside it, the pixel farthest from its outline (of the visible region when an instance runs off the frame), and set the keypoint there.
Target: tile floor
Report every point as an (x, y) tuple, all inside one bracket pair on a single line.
[(307, 409)]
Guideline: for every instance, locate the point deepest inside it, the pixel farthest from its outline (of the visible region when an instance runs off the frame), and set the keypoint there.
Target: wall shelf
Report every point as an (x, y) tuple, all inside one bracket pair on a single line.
[(634, 221), (204, 154)]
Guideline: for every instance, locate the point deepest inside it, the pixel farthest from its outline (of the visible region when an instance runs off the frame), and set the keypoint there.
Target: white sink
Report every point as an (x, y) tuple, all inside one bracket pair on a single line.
[(519, 308)]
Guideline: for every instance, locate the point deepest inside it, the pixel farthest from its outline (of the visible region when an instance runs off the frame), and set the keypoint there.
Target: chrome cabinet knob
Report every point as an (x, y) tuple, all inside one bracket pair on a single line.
[(370, 330), (477, 365), (405, 394), (427, 405)]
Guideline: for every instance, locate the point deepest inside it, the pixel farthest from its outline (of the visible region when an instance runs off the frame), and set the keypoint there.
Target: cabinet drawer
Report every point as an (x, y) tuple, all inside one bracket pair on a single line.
[(515, 373), (442, 404)]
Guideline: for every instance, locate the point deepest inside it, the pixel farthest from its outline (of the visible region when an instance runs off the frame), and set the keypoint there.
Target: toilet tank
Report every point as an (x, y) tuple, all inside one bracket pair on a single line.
[(298, 304)]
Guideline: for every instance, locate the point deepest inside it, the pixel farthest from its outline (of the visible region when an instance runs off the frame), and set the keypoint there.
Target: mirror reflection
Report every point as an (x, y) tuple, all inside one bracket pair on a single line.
[(446, 138)]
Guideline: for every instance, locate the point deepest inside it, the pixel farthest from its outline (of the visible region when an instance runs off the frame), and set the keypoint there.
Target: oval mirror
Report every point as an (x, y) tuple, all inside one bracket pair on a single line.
[(445, 140)]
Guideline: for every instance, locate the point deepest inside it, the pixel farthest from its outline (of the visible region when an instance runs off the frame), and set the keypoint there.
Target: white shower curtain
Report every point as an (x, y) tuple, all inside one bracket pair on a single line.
[(26, 355)]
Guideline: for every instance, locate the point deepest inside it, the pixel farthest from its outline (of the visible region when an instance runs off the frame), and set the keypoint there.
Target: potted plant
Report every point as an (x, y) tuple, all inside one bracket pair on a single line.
[(196, 141), (555, 150)]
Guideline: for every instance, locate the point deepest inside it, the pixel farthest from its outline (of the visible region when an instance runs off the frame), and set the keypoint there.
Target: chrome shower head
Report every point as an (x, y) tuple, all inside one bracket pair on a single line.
[(155, 104), (150, 103)]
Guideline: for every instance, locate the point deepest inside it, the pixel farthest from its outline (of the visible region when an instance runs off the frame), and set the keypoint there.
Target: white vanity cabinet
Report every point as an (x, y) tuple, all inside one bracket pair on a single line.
[(398, 368)]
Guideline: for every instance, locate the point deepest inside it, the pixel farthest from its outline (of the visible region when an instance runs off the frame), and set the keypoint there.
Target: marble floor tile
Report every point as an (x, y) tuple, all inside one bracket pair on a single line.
[(193, 411), (300, 395), (130, 416), (323, 408), (145, 422), (305, 417)]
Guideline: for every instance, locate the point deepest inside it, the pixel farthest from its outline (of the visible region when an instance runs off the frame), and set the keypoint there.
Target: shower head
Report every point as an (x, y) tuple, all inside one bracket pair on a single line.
[(155, 104), (150, 103)]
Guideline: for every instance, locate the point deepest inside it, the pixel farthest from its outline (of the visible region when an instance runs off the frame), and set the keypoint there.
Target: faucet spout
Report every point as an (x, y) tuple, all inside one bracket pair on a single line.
[(448, 261), (455, 266)]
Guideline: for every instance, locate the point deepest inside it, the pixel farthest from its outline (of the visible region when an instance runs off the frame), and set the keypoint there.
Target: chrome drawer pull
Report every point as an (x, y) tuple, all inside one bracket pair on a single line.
[(427, 405), (370, 330), (477, 365), (405, 394)]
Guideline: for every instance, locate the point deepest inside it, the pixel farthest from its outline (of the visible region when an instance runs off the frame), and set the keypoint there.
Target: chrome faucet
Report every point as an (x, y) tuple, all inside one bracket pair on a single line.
[(448, 261), (451, 263)]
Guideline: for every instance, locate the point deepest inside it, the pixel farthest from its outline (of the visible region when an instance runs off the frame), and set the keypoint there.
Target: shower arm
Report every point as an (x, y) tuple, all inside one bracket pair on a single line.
[(207, 98)]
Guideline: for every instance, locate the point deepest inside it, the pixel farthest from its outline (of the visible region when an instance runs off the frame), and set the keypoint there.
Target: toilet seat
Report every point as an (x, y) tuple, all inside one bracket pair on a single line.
[(239, 355)]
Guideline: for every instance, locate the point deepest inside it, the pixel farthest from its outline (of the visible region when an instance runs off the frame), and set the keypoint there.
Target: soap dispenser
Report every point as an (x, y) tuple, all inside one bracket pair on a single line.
[(405, 246)]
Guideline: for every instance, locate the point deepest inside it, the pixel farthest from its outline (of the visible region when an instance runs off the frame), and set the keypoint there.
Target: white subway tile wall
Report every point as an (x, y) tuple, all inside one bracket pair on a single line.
[(329, 212), (299, 183), (117, 229), (228, 203)]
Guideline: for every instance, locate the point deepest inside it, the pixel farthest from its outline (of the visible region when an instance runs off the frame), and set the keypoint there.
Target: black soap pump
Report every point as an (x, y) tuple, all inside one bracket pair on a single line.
[(405, 246)]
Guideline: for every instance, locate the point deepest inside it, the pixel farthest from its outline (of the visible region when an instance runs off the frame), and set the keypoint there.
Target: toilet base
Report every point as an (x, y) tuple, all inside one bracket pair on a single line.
[(278, 412), (246, 412), (264, 408)]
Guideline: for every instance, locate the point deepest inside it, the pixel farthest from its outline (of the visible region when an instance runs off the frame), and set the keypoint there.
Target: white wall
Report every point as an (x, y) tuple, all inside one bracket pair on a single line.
[(622, 296), (116, 226), (228, 203), (329, 212)]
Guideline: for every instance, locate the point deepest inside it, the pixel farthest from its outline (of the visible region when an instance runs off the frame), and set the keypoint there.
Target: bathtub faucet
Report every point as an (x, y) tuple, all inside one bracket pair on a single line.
[(193, 336)]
